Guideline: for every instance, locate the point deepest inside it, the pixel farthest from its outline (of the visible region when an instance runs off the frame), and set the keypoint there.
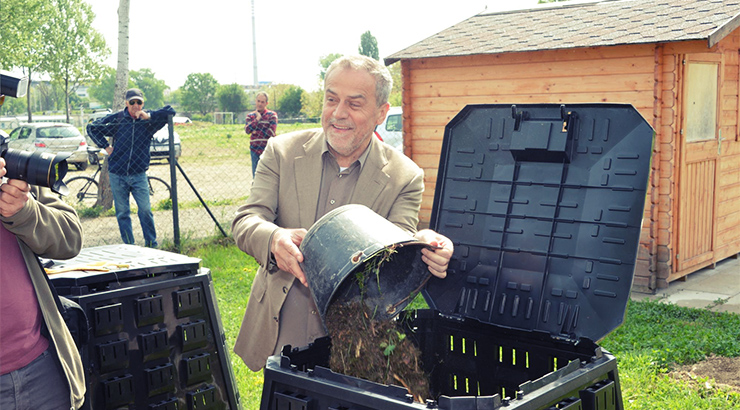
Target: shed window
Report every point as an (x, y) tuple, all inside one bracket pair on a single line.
[(701, 116)]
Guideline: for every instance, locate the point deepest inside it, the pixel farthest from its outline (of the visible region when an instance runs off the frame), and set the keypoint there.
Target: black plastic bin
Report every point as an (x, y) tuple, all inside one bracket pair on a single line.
[(544, 205), (156, 338)]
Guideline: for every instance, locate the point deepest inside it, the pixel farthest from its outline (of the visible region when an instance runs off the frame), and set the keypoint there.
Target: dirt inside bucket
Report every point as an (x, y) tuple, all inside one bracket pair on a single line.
[(374, 350)]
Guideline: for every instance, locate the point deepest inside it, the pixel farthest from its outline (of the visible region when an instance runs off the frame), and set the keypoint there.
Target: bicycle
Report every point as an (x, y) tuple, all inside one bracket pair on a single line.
[(83, 190)]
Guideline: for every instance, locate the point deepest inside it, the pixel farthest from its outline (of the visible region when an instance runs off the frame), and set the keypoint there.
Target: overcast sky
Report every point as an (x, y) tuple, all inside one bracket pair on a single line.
[(175, 38)]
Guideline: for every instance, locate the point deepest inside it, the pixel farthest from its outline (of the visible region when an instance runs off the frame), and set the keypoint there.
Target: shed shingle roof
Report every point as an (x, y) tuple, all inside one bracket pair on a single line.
[(602, 23)]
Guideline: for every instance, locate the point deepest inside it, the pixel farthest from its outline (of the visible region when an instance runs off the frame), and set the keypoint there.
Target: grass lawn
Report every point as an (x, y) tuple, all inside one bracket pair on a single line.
[(654, 338)]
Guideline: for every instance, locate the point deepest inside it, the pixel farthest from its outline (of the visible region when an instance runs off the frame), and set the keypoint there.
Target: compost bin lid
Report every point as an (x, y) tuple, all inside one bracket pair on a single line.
[(544, 205), (100, 266)]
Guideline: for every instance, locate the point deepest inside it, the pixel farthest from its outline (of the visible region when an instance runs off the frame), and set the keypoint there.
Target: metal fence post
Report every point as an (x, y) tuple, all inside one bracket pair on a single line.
[(173, 184)]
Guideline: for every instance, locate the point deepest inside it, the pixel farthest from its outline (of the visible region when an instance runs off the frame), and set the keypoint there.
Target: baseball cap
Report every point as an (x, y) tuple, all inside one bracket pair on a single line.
[(134, 94)]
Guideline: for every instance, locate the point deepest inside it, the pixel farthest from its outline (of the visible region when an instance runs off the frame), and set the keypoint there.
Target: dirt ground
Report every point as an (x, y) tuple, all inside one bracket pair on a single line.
[(725, 371)]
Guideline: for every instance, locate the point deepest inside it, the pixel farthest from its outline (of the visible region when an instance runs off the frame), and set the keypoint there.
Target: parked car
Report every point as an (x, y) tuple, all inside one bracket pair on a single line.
[(52, 137), (391, 130), (160, 148)]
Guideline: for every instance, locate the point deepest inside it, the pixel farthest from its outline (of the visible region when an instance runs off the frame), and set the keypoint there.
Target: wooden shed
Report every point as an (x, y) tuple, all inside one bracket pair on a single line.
[(676, 61)]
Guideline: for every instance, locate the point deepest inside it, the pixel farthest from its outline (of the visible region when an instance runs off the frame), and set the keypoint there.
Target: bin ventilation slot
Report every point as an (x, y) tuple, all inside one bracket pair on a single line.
[(171, 404), (108, 319), (113, 355), (197, 368), (153, 345), (160, 379), (291, 401), (149, 310), (118, 391), (188, 302), (202, 399), (193, 335)]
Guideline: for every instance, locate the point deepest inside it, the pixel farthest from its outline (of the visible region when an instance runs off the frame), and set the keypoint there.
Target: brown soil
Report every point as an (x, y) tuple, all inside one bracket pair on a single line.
[(374, 350), (719, 372)]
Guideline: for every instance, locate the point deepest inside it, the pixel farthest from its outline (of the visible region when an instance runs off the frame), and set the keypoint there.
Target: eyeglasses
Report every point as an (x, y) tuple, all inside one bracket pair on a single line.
[(134, 102)]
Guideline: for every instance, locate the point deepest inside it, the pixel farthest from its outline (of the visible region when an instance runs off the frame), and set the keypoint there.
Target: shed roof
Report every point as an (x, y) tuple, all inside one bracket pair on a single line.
[(573, 25)]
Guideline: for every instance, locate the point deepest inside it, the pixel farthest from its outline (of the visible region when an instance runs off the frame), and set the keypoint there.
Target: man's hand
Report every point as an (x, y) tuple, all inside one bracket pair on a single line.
[(436, 259), (257, 115), (142, 115), (13, 195), (284, 248)]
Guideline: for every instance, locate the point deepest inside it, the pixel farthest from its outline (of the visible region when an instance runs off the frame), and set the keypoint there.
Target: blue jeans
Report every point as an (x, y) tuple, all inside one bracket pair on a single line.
[(138, 186), (255, 161), (39, 385)]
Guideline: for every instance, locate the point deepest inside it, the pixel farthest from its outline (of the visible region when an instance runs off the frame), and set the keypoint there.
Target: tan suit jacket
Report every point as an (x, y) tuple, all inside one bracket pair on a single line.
[(285, 194)]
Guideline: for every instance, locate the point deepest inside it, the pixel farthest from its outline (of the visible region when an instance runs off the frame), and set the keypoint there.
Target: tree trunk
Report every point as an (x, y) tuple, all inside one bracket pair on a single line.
[(105, 197), (28, 97)]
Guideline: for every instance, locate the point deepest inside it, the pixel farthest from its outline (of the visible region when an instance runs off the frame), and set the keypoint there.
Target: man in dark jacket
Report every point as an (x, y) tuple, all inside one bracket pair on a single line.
[(128, 160)]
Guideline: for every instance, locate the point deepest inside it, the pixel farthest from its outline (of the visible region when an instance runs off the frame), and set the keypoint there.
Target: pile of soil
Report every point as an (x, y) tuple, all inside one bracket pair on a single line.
[(725, 371), (374, 350)]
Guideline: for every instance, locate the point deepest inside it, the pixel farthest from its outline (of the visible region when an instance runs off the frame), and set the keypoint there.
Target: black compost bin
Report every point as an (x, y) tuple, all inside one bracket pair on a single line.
[(544, 205), (156, 338)]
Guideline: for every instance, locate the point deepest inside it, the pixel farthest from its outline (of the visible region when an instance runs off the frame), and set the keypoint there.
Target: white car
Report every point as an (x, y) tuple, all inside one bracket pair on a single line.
[(51, 137), (160, 148), (391, 130)]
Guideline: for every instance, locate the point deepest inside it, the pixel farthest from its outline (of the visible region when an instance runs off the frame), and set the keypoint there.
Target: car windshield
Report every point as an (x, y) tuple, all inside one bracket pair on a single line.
[(394, 123), (58, 132)]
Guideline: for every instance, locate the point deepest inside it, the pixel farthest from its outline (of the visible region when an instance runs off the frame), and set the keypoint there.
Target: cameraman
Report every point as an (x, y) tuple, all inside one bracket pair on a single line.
[(40, 367)]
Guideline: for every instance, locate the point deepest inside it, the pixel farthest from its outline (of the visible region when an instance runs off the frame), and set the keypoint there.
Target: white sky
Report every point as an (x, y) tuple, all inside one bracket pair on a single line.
[(175, 38)]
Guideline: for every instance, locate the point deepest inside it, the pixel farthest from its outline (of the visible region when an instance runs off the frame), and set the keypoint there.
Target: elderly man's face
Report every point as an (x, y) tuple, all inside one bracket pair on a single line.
[(350, 112), (134, 106)]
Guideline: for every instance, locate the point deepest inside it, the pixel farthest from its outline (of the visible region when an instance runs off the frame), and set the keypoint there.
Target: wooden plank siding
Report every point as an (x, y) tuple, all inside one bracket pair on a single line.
[(648, 76)]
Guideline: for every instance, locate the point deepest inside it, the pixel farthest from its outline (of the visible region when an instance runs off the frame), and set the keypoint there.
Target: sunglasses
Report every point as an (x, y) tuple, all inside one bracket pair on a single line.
[(134, 102)]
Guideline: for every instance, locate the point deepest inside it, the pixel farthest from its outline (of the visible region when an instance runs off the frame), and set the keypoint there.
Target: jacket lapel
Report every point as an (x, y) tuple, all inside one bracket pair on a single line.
[(308, 179), (372, 179)]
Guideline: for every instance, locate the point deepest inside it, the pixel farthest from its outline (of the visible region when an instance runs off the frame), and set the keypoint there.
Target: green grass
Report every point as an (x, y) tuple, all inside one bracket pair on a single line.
[(653, 339)]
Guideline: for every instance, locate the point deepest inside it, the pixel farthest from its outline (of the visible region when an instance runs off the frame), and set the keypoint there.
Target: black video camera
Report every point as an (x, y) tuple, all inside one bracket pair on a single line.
[(43, 169)]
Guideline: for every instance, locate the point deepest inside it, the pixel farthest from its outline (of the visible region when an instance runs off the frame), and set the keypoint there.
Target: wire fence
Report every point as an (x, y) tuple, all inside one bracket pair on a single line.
[(196, 182)]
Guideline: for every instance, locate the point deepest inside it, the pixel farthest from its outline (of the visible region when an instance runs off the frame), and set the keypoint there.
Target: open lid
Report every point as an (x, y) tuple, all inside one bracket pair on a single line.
[(544, 205)]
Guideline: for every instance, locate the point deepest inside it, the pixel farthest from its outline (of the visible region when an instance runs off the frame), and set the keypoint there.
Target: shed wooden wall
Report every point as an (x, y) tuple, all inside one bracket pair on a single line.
[(646, 76)]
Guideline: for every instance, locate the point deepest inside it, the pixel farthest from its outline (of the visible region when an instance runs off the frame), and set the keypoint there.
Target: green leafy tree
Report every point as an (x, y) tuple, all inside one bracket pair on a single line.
[(152, 87), (104, 90), (22, 37), (290, 102), (199, 93), (396, 97), (232, 98), (312, 103), (369, 46), (325, 62), (73, 49)]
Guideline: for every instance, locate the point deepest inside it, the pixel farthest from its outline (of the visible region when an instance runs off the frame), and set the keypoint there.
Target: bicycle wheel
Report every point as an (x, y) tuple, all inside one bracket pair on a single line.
[(82, 191), (158, 191)]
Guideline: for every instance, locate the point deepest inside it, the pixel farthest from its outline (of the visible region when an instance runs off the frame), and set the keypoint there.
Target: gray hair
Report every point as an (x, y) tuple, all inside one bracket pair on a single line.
[(267, 98), (381, 75)]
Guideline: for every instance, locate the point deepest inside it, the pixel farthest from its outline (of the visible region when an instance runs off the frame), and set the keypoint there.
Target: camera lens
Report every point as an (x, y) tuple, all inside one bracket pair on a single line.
[(37, 168)]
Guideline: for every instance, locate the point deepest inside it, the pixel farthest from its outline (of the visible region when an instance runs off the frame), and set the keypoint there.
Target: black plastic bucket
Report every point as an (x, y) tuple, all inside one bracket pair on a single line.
[(340, 250)]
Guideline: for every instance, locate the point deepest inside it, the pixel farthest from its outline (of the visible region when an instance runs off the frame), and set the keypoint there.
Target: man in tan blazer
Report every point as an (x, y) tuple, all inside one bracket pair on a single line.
[(303, 175)]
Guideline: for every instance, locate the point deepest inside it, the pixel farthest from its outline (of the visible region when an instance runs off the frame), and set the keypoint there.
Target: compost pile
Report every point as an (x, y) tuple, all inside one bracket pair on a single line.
[(374, 350)]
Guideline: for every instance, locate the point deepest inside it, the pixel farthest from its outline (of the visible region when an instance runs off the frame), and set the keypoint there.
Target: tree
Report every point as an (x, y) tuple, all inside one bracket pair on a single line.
[(73, 49), (105, 196), (325, 62), (312, 103), (232, 98), (290, 102), (396, 97), (22, 37), (369, 46), (152, 88), (199, 93), (104, 91)]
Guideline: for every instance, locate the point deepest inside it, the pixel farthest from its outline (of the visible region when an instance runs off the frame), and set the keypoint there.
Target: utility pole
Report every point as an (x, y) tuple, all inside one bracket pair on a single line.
[(254, 48)]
